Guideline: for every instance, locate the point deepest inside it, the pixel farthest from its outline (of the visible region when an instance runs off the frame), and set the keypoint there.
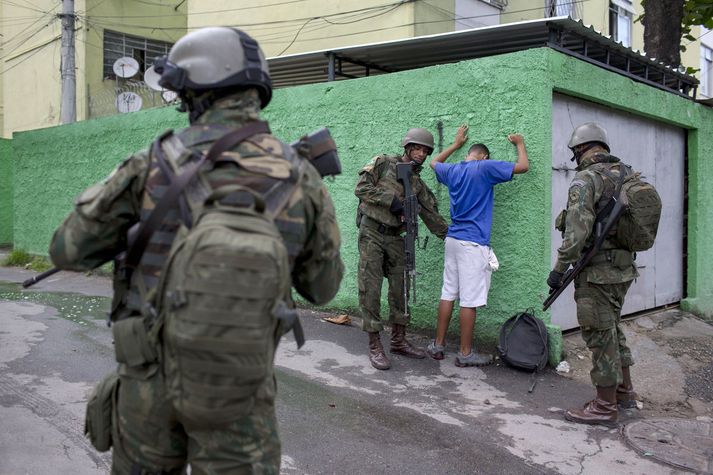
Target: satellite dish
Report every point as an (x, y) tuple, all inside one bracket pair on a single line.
[(128, 102), (151, 78), (169, 96), (125, 67)]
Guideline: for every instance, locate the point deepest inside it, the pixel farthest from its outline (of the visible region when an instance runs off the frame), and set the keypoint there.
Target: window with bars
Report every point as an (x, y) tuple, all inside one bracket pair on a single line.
[(143, 50)]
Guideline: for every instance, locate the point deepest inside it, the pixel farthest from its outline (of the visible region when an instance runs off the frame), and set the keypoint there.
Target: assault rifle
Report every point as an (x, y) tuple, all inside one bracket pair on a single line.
[(318, 147), (606, 219), (403, 174)]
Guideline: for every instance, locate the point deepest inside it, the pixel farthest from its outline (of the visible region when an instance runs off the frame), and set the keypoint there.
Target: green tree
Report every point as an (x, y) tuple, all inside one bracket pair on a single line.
[(667, 22)]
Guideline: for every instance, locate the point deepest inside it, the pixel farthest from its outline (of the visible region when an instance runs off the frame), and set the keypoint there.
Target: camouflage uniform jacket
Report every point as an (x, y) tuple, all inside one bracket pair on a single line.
[(97, 228), (378, 185), (611, 265)]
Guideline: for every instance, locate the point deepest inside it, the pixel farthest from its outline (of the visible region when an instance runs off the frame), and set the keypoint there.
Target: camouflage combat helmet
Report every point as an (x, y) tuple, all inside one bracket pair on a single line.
[(418, 136), (589, 132), (215, 58)]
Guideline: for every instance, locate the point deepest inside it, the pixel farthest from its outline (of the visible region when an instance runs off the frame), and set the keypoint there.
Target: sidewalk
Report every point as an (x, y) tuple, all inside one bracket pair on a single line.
[(339, 415)]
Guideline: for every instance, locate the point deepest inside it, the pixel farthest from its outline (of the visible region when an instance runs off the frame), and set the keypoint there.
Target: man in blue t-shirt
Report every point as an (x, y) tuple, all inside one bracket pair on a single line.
[(469, 261)]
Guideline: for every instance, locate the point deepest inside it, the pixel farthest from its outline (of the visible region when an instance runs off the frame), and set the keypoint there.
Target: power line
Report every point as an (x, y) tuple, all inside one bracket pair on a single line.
[(22, 41), (330, 23), (452, 18), (354, 18), (8, 2), (248, 25), (37, 50), (198, 13)]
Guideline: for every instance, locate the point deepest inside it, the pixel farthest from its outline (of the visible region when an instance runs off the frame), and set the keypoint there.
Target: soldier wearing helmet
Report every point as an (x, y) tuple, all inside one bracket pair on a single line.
[(223, 81), (381, 244), (600, 289)]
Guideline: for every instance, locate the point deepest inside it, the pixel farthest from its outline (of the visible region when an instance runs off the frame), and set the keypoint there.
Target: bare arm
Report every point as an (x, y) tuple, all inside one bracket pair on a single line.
[(522, 165), (461, 138)]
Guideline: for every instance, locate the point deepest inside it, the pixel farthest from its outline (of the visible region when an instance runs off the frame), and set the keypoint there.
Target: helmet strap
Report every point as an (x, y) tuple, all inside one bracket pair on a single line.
[(580, 150)]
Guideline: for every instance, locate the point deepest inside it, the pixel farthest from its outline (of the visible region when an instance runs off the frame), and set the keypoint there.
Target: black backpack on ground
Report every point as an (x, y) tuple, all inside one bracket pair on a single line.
[(523, 342)]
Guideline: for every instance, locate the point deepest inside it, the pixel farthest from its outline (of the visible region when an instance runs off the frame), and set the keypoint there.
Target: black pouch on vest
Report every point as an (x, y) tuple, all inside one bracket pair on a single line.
[(132, 343), (100, 411)]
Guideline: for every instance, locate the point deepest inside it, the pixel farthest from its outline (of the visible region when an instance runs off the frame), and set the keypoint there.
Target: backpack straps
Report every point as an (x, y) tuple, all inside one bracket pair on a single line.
[(603, 214), (147, 227)]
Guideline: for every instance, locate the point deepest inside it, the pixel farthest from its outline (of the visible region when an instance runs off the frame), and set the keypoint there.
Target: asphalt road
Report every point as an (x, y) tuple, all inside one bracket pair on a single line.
[(337, 414)]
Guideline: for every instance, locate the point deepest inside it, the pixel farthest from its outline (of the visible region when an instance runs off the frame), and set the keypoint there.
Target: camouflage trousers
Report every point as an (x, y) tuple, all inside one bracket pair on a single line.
[(380, 255), (599, 316), (149, 438)]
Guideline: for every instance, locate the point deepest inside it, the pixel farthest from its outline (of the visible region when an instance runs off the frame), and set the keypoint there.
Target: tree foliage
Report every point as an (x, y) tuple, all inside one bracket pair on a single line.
[(696, 12)]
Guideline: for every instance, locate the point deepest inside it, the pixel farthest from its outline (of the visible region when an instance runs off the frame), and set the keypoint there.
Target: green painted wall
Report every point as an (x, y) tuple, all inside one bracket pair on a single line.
[(54, 165), (5, 191), (496, 96)]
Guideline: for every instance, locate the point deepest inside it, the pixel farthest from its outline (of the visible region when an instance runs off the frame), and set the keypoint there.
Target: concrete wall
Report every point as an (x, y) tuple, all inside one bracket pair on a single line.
[(6, 191), (496, 96)]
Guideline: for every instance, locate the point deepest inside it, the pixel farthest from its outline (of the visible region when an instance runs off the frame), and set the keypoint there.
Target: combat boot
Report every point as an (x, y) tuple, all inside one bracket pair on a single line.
[(377, 357), (601, 410), (625, 396), (401, 346)]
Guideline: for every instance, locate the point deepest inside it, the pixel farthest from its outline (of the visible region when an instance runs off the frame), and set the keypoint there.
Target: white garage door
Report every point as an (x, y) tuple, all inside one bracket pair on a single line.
[(658, 151)]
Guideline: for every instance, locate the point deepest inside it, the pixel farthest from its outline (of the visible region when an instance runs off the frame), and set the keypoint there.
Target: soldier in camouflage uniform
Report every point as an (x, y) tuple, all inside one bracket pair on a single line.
[(381, 243), (600, 289), (222, 78)]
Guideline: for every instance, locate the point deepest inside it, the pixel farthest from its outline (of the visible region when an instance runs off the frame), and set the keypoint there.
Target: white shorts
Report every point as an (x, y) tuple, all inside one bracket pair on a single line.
[(466, 272)]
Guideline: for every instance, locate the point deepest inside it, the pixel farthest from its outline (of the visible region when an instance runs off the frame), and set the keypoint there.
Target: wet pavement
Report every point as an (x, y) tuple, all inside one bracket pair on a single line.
[(337, 414)]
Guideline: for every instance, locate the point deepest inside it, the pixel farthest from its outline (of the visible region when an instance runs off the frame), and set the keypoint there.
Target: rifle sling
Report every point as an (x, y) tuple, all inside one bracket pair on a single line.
[(147, 228)]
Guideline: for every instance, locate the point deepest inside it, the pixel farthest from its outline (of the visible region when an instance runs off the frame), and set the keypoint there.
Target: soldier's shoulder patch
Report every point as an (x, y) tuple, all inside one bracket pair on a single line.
[(369, 167), (577, 183)]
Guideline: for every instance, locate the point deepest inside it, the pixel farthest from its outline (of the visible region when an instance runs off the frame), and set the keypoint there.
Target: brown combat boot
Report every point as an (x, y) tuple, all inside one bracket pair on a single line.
[(601, 410), (625, 396), (377, 357), (401, 346)]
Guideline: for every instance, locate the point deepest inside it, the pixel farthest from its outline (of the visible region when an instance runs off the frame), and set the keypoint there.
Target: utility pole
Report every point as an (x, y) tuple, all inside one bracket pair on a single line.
[(68, 105)]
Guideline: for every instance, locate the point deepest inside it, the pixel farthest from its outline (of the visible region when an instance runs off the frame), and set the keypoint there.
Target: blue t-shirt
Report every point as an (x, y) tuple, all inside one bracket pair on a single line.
[(470, 186)]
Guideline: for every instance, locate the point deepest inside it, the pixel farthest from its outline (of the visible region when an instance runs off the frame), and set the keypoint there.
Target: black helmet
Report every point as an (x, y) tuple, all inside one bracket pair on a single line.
[(215, 58)]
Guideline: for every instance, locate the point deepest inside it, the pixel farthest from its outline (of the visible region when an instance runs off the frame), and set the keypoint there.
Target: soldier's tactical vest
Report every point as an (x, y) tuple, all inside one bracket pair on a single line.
[(387, 181), (219, 283)]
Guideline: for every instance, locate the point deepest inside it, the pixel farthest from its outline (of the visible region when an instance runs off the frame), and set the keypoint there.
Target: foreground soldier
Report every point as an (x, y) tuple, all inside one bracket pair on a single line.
[(381, 244), (600, 289), (222, 78)]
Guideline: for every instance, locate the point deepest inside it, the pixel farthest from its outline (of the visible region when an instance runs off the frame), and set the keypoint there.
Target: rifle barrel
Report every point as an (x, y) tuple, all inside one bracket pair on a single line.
[(33, 280)]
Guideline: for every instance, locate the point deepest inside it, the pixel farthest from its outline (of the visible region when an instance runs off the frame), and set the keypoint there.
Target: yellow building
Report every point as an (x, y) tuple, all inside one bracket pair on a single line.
[(105, 30), (30, 82)]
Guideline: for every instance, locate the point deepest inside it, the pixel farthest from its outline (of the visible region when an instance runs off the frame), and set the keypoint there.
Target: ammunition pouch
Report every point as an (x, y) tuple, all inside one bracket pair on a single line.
[(561, 221), (99, 417), (619, 258), (133, 343)]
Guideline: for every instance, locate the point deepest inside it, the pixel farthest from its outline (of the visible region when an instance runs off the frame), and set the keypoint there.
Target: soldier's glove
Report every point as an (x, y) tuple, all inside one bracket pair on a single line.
[(554, 280), (397, 207)]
